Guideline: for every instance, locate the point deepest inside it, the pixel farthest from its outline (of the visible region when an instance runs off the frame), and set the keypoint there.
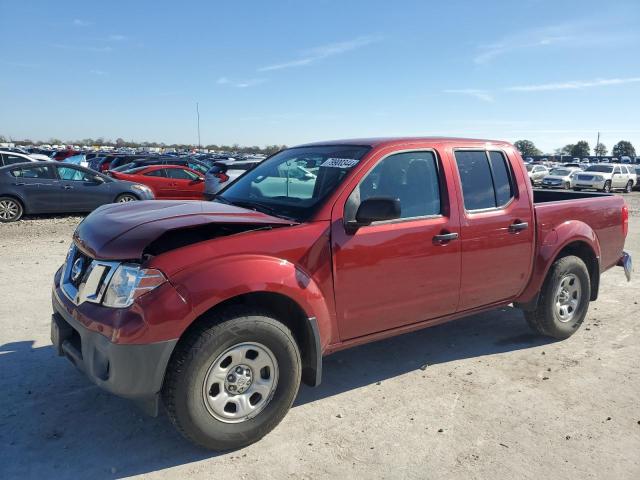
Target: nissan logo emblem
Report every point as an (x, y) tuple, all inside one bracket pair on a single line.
[(76, 269)]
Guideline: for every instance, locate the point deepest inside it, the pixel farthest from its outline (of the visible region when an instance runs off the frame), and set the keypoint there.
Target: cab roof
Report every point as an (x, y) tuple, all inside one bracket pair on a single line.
[(396, 141)]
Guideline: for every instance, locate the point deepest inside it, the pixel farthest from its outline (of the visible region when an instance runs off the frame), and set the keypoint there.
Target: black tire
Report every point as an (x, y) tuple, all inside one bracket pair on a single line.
[(126, 197), (11, 209), (607, 187), (545, 319), (183, 391), (629, 187), (567, 186)]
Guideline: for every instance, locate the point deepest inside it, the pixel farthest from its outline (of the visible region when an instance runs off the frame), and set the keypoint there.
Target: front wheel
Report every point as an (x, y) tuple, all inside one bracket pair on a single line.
[(629, 187), (126, 198), (232, 379), (567, 186), (11, 210), (564, 299), (607, 187)]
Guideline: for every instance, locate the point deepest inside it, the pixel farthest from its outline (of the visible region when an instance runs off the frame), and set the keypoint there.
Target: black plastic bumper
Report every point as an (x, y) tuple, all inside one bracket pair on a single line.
[(131, 371)]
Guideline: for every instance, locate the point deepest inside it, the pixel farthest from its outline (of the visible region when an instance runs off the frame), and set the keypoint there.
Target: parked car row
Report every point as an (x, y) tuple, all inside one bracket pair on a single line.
[(604, 177)]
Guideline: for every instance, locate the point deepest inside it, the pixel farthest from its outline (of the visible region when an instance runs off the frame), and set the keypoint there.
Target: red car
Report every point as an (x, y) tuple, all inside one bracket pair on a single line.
[(168, 182), (220, 309)]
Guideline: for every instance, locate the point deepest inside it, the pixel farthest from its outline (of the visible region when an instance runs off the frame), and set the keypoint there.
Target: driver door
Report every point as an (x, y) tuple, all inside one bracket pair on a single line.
[(394, 273), (81, 191)]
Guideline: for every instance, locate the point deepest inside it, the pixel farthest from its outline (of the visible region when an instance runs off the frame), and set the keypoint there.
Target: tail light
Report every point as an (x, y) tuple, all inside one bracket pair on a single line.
[(223, 177), (625, 220)]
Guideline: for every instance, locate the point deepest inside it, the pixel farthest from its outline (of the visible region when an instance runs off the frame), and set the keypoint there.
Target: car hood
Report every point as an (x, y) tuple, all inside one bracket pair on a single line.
[(124, 231)]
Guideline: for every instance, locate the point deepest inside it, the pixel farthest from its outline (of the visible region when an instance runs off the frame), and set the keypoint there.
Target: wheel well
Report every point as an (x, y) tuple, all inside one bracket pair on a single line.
[(584, 251), (125, 193), (287, 311)]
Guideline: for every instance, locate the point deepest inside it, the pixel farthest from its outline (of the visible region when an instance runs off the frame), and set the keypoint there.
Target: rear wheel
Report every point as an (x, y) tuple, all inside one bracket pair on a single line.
[(564, 299), (11, 209), (126, 197), (567, 186), (629, 187), (607, 186), (232, 379)]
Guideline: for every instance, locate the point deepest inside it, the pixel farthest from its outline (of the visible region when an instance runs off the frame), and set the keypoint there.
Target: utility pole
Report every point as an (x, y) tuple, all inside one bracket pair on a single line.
[(198, 117), (597, 143)]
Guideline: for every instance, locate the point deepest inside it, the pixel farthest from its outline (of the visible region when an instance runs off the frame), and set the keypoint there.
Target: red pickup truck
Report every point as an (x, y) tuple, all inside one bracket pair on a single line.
[(220, 309)]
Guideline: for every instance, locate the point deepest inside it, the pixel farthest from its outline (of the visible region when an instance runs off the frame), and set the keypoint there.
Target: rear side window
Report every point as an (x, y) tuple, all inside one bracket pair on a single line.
[(486, 179), (180, 174), (155, 173), (33, 172), (501, 178), (10, 159)]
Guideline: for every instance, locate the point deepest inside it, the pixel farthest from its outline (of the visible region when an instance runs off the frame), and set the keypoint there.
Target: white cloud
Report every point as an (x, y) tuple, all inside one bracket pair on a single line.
[(574, 84), (252, 82), (578, 34), (472, 92), (81, 23), (324, 51)]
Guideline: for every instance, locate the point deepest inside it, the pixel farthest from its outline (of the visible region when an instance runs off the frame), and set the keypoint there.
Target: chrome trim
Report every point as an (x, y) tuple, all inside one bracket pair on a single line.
[(94, 281)]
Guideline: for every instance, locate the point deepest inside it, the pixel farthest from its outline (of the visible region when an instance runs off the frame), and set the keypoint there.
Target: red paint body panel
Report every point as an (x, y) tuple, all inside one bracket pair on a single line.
[(385, 279), (165, 188)]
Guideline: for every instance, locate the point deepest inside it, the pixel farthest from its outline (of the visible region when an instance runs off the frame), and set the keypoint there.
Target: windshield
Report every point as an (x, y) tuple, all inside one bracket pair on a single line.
[(560, 172), (294, 182), (600, 168)]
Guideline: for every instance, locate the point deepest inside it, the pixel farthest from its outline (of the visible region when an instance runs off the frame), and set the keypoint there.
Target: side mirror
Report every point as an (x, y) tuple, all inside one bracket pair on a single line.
[(98, 179), (376, 209)]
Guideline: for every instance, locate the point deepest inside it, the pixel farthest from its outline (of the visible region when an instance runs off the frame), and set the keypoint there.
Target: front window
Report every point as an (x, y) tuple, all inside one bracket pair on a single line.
[(560, 172), (294, 182), (600, 168)]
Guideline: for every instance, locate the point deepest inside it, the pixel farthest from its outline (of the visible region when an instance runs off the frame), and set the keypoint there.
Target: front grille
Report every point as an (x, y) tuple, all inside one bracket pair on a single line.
[(85, 279), (585, 178)]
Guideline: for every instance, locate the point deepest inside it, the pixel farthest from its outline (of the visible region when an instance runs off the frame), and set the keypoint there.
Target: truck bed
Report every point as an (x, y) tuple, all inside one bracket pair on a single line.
[(602, 212)]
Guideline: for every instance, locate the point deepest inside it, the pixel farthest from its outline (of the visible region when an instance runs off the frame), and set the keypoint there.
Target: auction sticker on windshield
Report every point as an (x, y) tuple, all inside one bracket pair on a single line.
[(340, 162)]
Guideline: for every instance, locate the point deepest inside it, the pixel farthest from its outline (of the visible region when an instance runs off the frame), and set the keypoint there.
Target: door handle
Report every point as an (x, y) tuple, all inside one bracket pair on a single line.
[(19, 184), (518, 226), (445, 237)]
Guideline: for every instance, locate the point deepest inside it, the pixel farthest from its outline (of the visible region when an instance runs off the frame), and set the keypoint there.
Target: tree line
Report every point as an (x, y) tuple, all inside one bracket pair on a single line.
[(121, 143), (579, 149)]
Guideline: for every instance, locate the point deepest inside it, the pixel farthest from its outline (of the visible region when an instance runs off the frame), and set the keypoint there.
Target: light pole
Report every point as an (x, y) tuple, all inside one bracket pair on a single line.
[(198, 118)]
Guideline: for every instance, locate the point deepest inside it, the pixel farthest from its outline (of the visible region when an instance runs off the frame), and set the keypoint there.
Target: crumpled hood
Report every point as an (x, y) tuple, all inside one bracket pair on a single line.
[(122, 231)]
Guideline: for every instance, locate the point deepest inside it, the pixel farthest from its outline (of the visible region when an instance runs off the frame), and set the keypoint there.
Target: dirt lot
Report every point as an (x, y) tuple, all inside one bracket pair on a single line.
[(476, 398)]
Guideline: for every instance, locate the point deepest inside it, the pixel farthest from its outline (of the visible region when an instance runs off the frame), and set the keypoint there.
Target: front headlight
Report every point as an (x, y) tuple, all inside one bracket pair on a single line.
[(142, 188), (130, 282), (598, 178)]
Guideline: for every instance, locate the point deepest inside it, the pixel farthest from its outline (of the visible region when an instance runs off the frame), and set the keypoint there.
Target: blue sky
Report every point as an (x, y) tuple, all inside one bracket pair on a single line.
[(290, 72)]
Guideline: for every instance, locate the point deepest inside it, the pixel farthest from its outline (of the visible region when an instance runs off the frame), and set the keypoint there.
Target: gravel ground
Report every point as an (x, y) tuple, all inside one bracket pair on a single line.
[(476, 398)]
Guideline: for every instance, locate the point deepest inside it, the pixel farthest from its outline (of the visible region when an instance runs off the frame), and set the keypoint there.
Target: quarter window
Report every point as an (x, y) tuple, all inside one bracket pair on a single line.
[(486, 179), (410, 177)]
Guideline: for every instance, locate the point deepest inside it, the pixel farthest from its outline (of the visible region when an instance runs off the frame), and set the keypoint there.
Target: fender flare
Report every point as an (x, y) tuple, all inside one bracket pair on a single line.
[(234, 276), (549, 247)]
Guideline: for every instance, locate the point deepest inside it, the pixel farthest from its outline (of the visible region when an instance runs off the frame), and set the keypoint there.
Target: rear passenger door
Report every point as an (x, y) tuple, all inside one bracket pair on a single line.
[(38, 186), (496, 228)]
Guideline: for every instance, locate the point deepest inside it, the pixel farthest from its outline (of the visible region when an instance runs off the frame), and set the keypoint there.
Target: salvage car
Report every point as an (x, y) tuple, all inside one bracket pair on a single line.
[(223, 173), (55, 187), (605, 178), (536, 173), (560, 177), (168, 182), (220, 309)]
